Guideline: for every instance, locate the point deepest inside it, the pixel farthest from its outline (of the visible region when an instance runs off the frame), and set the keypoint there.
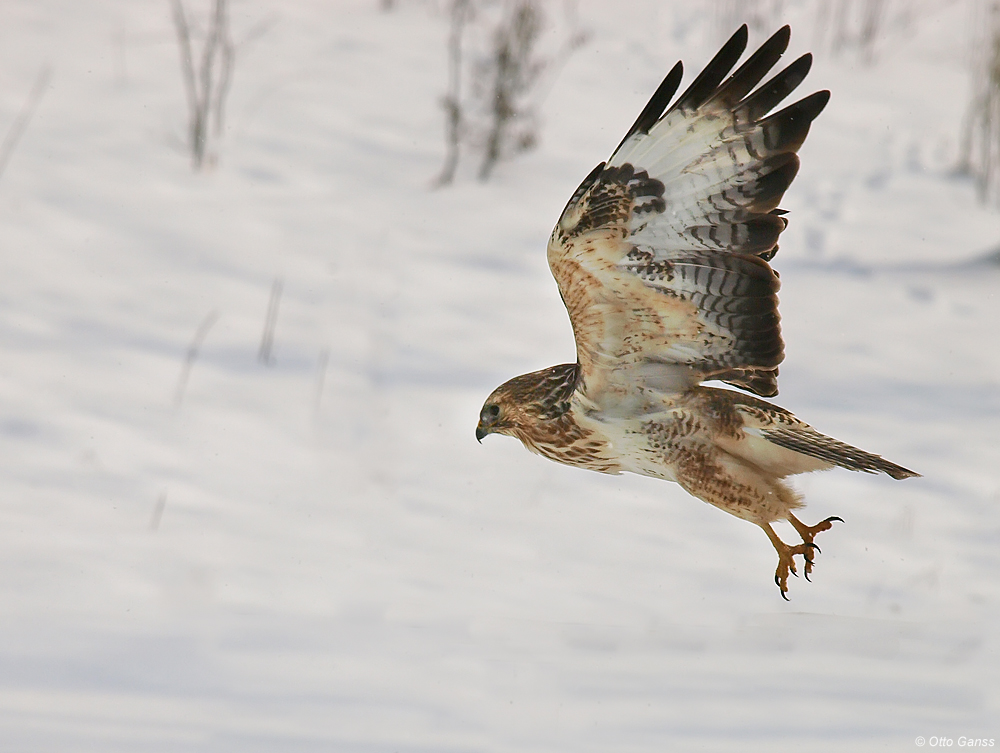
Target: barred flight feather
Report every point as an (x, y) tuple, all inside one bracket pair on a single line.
[(812, 443), (661, 257)]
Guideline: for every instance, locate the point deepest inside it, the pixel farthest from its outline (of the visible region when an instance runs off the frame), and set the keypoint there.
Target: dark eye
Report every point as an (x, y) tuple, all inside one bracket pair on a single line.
[(490, 413)]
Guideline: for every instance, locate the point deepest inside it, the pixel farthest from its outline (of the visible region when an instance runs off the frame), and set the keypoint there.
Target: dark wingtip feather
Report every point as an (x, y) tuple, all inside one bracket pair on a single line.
[(657, 103), (784, 131), (758, 104), (898, 472), (813, 104), (869, 463), (704, 85), (748, 75)]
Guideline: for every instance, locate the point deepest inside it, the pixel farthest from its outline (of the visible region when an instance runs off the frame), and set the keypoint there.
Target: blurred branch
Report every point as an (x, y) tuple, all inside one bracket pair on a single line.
[(858, 25), (762, 17), (192, 355), (20, 124), (187, 66), (270, 323), (154, 519), (322, 365), (497, 76), (515, 70), (460, 10), (224, 44), (979, 152), (874, 16), (208, 86)]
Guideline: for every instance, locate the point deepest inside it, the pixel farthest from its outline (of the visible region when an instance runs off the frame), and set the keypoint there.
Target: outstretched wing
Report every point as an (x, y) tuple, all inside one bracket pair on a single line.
[(661, 254)]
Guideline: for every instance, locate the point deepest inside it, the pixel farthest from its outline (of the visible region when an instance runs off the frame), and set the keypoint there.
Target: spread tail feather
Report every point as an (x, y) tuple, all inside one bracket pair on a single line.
[(812, 443)]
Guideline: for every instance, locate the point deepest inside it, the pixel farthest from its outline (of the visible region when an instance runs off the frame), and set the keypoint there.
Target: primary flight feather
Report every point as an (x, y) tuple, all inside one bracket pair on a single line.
[(661, 258)]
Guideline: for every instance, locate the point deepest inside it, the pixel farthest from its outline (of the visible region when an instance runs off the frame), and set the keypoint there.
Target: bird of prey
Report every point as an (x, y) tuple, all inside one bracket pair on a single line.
[(661, 258)]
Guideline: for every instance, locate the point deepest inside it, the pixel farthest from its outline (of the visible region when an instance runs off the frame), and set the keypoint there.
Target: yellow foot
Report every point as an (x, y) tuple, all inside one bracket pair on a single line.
[(786, 563), (786, 558), (808, 533)]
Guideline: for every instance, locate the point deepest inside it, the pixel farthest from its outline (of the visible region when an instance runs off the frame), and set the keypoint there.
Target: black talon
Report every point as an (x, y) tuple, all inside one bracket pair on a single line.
[(784, 597), (807, 577), (809, 543), (833, 518), (777, 580)]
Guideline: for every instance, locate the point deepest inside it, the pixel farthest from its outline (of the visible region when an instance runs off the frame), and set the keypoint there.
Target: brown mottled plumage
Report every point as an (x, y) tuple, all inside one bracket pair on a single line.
[(661, 257)]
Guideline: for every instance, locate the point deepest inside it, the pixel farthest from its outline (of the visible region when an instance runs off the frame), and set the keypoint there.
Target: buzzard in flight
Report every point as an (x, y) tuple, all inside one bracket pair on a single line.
[(661, 257)]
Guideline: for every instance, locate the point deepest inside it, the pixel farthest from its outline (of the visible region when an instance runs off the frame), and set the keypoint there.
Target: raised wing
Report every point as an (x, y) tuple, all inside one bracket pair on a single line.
[(661, 254)]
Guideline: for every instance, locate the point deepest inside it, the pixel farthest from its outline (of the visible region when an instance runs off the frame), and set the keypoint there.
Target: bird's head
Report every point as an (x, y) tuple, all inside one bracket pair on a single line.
[(522, 402), (499, 415)]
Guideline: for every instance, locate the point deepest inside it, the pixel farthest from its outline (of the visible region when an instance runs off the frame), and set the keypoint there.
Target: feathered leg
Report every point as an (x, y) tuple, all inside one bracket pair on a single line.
[(733, 485)]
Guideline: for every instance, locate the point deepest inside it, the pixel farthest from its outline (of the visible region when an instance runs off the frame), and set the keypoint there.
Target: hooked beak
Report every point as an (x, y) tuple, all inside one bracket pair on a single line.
[(480, 433)]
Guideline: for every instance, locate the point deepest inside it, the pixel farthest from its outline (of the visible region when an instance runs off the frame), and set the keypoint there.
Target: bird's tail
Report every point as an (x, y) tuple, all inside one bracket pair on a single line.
[(810, 442)]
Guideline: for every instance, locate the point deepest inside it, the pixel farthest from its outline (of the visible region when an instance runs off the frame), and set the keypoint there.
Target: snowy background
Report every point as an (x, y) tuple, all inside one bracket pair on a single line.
[(316, 555)]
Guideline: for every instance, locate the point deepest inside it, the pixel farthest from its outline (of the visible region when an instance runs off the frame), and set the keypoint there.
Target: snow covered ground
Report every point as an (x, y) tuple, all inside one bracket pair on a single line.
[(316, 555)]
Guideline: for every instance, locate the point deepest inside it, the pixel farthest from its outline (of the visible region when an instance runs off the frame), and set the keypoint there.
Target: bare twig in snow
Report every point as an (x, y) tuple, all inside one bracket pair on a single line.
[(226, 56), (980, 149), (858, 25), (20, 123), (871, 25), (192, 355), (187, 74), (840, 35), (515, 70), (324, 361), (497, 77), (452, 101), (762, 16), (270, 322), (208, 86), (161, 504)]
